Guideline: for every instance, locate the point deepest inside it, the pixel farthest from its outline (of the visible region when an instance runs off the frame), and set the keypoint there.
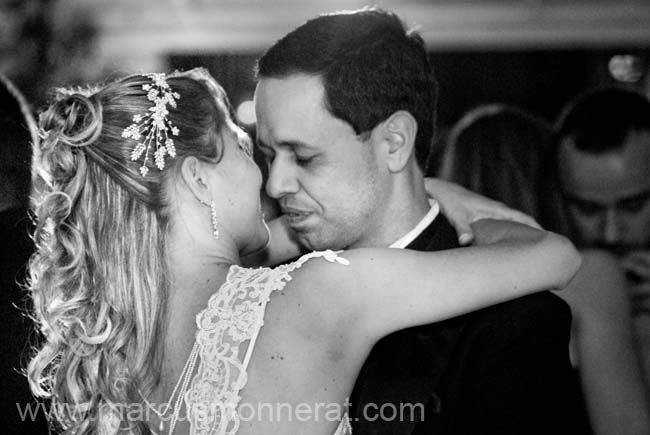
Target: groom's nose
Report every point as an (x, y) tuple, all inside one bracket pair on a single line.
[(282, 180)]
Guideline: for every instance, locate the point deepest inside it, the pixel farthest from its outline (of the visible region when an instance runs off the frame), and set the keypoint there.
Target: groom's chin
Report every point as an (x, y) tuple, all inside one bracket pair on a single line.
[(312, 240), (308, 241), (319, 240)]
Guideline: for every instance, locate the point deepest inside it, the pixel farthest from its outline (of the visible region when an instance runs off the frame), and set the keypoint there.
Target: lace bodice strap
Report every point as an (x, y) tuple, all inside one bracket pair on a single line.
[(234, 315), (328, 255)]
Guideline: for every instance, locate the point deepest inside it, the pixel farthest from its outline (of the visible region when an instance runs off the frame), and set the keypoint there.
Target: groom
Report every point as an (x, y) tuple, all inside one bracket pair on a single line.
[(345, 116)]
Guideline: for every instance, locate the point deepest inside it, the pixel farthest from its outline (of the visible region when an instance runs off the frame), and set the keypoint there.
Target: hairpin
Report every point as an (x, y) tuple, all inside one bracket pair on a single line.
[(154, 126)]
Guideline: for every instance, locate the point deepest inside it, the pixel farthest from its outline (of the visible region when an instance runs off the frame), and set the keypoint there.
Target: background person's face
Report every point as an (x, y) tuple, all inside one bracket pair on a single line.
[(324, 177), (609, 194)]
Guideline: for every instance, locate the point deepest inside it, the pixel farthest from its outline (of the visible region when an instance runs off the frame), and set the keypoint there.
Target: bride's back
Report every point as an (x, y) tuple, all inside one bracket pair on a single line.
[(298, 372)]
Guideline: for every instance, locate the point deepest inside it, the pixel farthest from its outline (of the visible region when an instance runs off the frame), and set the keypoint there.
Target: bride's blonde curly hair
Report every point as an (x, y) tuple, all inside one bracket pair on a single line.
[(98, 278)]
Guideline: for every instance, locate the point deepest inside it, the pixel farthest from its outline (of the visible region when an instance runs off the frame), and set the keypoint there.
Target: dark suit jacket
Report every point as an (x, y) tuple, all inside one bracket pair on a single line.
[(504, 369)]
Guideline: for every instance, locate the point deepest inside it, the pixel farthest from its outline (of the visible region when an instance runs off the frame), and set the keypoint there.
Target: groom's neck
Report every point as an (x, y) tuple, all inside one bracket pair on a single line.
[(404, 207)]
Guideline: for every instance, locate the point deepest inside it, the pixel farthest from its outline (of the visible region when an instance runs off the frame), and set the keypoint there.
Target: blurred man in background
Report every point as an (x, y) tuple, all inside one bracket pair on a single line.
[(603, 163), (602, 159)]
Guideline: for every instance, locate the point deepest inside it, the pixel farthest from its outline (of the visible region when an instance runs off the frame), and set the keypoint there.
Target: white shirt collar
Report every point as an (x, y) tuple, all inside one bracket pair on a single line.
[(407, 238)]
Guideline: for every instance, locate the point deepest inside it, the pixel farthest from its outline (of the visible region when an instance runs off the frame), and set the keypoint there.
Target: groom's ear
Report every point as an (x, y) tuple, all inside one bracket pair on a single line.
[(398, 137)]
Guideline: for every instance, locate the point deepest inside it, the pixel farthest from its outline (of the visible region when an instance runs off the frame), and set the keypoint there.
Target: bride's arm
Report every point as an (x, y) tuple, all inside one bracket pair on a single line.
[(459, 205), (391, 289)]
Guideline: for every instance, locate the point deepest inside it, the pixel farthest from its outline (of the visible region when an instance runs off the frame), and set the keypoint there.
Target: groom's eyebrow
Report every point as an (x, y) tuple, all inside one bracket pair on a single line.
[(292, 144)]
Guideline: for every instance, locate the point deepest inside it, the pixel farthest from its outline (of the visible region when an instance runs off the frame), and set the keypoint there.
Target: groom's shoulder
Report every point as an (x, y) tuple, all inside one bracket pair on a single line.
[(515, 317), (514, 330), (542, 312), (530, 333)]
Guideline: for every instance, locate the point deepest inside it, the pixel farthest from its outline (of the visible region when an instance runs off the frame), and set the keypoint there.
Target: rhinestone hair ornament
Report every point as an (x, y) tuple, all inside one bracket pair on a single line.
[(154, 125)]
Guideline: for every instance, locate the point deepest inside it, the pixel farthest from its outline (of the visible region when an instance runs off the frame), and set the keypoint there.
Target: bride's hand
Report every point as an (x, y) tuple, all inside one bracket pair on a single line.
[(463, 207)]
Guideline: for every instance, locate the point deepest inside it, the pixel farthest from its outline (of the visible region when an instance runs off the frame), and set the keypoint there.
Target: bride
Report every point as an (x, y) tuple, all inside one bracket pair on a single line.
[(146, 200)]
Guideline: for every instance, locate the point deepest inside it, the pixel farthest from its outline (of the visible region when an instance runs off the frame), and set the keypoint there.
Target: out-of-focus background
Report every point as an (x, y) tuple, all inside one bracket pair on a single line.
[(533, 53)]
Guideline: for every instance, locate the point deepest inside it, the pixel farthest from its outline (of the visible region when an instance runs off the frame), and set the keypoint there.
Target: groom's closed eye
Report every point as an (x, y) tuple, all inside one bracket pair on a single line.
[(303, 154), (303, 159), (300, 153)]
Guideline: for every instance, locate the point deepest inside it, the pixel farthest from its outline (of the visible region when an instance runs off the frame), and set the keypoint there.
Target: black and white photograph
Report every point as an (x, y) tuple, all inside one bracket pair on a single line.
[(325, 217)]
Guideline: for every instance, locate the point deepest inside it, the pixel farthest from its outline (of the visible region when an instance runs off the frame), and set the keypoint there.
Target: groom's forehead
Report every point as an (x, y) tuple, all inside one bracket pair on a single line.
[(295, 96), (307, 136), (301, 136)]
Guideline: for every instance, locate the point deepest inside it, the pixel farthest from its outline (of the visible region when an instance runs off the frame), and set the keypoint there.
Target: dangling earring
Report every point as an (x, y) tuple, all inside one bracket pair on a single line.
[(213, 216)]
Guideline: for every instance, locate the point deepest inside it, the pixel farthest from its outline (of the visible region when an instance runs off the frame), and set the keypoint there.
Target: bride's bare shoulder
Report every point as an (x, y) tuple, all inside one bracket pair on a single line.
[(314, 288)]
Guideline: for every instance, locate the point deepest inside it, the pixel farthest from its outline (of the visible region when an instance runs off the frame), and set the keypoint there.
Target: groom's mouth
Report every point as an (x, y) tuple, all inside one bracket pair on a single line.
[(295, 217)]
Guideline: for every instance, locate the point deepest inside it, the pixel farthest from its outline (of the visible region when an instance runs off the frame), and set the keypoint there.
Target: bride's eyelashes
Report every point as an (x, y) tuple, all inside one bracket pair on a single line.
[(245, 144)]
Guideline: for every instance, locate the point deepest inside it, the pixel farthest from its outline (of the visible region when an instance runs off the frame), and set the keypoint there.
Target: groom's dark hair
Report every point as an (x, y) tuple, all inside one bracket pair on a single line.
[(370, 64)]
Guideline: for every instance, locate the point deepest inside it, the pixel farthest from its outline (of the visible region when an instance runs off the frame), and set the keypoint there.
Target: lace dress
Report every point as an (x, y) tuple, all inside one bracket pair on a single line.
[(215, 373)]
